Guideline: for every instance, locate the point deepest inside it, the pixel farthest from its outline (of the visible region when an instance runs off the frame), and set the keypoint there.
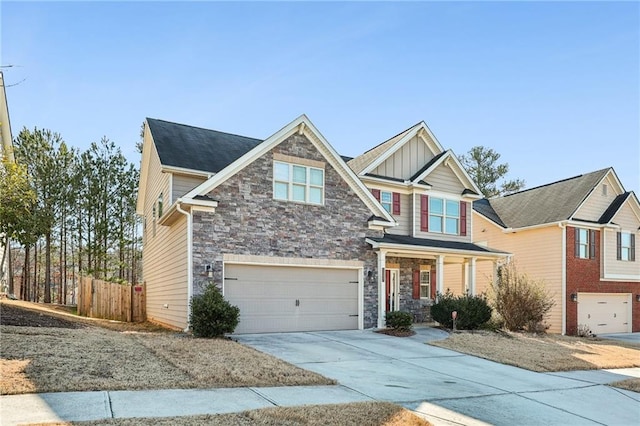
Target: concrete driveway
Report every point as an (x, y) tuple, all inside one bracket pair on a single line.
[(452, 388)]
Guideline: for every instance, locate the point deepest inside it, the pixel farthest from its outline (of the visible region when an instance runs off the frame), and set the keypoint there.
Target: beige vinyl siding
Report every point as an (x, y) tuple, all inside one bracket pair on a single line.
[(444, 179), (454, 278), (406, 161), (182, 184), (621, 269), (438, 235), (538, 253), (164, 256), (404, 218), (597, 202)]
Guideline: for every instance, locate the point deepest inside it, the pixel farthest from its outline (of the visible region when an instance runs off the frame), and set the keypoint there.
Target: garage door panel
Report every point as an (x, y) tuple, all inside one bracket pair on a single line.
[(605, 312), (283, 298)]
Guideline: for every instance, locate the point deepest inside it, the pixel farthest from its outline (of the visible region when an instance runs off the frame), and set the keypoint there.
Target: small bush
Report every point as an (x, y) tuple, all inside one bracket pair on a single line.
[(521, 302), (473, 311), (211, 315), (584, 331), (399, 320)]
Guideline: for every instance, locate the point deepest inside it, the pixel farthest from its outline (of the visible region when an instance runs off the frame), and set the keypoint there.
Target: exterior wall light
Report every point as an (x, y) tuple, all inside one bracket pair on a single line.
[(638, 297), (574, 297)]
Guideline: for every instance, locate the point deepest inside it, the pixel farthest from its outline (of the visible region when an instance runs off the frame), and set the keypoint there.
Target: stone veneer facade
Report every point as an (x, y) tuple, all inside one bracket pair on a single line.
[(419, 308), (248, 221)]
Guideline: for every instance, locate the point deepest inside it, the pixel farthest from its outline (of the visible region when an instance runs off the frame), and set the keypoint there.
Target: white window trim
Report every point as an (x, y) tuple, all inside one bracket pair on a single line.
[(625, 249), (428, 285), (385, 203), (290, 183), (584, 243), (443, 217)]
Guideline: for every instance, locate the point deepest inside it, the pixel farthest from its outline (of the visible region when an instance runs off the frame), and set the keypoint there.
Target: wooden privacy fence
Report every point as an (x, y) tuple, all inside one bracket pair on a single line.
[(120, 302)]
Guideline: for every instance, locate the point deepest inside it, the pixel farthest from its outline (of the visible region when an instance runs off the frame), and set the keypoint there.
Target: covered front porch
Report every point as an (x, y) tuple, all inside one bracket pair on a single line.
[(412, 271)]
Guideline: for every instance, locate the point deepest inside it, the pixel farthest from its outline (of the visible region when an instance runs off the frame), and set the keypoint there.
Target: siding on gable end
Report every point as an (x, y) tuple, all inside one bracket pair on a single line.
[(445, 180), (597, 203), (164, 257), (611, 266), (256, 224), (182, 184), (406, 161)]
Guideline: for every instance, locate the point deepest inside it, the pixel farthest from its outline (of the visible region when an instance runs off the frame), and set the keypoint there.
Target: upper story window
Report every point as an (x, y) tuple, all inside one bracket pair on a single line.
[(292, 182), (626, 246), (444, 215), (390, 201), (585, 243)]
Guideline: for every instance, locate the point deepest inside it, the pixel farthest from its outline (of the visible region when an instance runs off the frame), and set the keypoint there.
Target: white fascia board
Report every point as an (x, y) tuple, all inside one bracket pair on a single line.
[(592, 190), (185, 171), (632, 201), (434, 250), (345, 172), (304, 125), (458, 170), (389, 152), (193, 202), (380, 224), (246, 159), (386, 185)]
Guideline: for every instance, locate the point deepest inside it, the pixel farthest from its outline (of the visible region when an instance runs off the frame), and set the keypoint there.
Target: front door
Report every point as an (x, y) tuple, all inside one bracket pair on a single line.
[(393, 289)]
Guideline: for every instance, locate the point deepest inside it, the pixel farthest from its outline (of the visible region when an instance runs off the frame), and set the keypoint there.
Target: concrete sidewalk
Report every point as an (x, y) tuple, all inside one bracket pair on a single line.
[(82, 406)]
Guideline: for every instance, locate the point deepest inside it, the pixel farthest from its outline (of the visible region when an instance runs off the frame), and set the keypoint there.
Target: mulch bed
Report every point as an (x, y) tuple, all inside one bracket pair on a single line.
[(396, 333), (21, 317)]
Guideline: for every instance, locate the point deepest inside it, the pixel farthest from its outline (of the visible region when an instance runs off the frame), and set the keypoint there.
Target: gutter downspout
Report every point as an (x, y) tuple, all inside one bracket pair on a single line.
[(189, 259), (563, 227)]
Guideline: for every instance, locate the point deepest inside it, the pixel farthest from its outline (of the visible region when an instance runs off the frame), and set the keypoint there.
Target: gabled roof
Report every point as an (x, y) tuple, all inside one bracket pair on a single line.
[(427, 166), (549, 203), (371, 159), (302, 125), (195, 148), (446, 157)]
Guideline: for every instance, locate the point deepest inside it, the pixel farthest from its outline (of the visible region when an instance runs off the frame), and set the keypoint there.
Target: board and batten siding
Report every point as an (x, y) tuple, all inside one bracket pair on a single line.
[(181, 184), (598, 201), (164, 256), (406, 161), (537, 253), (612, 267)]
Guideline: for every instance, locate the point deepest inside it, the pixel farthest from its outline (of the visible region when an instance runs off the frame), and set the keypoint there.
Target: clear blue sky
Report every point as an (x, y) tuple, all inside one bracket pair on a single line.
[(553, 87)]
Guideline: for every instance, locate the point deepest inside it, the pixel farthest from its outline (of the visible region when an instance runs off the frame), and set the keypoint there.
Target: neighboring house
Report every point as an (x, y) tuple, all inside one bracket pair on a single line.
[(294, 236), (578, 235), (6, 151)]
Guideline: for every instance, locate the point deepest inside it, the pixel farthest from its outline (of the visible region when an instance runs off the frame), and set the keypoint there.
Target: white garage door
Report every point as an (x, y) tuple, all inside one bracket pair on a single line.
[(292, 298), (605, 312)]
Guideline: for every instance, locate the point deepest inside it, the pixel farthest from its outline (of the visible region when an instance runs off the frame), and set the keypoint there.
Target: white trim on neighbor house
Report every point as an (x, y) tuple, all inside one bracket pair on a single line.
[(144, 167), (563, 279), (244, 259), (189, 261), (185, 171), (418, 130), (619, 191), (620, 277), (304, 125)]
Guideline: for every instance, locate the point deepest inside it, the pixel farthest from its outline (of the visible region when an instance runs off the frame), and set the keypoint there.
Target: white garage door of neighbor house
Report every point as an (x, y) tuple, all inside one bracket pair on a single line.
[(605, 312), (292, 298)]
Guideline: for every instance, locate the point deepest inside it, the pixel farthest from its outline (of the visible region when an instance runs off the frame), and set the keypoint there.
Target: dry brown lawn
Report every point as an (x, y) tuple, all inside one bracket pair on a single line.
[(356, 414), (544, 353), (56, 359), (629, 384)]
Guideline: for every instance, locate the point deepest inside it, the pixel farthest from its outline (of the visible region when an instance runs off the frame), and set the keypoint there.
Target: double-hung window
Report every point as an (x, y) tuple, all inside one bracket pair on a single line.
[(425, 284), (293, 182), (386, 199), (626, 246), (444, 215), (585, 243)]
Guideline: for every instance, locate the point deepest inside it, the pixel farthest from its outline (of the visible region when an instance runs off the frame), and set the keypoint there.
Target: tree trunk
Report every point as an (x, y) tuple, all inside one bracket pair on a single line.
[(47, 268)]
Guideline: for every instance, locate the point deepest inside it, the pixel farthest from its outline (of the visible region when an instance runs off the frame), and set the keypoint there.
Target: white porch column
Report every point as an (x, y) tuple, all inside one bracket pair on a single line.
[(472, 277), (440, 274), (382, 261)]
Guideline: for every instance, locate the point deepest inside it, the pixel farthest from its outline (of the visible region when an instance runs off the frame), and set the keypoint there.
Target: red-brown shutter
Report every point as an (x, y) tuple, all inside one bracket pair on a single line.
[(592, 244), (416, 284), (396, 203), (424, 213), (463, 218), (619, 245), (376, 193), (433, 283)]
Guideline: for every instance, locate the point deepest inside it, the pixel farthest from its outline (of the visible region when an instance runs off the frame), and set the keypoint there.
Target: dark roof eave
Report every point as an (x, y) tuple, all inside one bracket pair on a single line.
[(436, 245)]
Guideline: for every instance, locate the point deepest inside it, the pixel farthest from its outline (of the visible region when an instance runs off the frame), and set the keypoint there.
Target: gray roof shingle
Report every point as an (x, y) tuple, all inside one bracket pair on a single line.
[(195, 148), (549, 203), (431, 243)]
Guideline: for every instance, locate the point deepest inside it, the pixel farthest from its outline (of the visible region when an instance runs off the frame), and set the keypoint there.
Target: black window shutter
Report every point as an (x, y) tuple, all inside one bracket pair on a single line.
[(633, 247), (577, 241), (619, 245), (592, 244)]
